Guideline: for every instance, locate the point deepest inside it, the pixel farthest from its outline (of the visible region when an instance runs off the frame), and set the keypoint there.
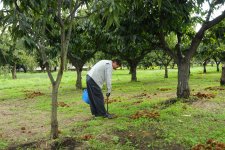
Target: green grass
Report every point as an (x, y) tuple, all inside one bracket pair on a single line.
[(180, 124)]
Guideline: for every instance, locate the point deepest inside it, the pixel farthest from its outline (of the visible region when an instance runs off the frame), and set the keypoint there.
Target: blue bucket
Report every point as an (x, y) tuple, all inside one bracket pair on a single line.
[(85, 97)]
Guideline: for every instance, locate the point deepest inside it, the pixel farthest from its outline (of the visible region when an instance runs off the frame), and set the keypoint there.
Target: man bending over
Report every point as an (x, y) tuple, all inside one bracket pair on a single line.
[(101, 72)]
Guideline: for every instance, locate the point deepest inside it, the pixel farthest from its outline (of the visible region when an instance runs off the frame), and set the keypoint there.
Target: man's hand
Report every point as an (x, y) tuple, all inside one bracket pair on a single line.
[(107, 94)]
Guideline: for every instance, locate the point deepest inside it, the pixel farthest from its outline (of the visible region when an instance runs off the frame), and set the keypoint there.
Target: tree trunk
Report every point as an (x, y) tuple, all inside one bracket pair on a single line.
[(222, 79), (79, 78), (56, 83), (79, 68), (24, 68), (166, 71), (173, 65), (183, 90), (42, 68), (133, 71), (128, 67), (204, 66), (65, 67), (218, 66), (14, 71), (54, 121), (212, 64)]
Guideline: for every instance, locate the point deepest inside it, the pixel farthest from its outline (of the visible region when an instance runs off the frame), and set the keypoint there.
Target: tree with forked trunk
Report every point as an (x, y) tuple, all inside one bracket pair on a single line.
[(175, 18), (47, 26), (30, 23), (84, 44)]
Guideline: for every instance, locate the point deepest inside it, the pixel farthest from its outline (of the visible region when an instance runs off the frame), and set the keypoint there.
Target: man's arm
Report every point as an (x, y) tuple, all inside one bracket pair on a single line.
[(108, 76)]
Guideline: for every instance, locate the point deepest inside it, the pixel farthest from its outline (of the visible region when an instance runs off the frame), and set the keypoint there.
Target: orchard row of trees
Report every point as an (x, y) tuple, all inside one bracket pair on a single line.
[(53, 32)]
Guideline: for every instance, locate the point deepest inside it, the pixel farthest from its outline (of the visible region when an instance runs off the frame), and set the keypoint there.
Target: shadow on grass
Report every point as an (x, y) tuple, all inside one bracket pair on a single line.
[(167, 103), (68, 143), (150, 138)]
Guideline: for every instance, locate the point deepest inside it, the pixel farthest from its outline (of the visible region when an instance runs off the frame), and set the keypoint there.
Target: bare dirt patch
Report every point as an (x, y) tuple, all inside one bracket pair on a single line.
[(145, 114), (210, 145), (21, 122), (208, 105), (165, 95)]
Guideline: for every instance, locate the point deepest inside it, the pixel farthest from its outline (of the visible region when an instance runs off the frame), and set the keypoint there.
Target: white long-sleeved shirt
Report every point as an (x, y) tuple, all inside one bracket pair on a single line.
[(102, 72)]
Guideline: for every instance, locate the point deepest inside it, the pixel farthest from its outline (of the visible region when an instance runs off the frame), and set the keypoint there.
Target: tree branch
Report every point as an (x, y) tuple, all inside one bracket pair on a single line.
[(61, 23), (41, 49), (199, 35), (177, 47), (165, 46), (72, 13), (215, 21), (143, 53), (45, 61), (210, 11), (17, 7), (5, 11)]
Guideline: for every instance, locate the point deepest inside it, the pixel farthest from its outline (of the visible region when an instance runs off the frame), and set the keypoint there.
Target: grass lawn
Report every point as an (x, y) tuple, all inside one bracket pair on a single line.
[(148, 114)]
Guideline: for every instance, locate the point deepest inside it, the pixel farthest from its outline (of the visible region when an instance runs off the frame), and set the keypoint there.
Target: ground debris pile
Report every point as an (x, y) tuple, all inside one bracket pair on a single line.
[(137, 102), (87, 137), (204, 95), (145, 114), (63, 104), (32, 94), (210, 145), (164, 89), (112, 101), (23, 130), (142, 95), (215, 88)]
